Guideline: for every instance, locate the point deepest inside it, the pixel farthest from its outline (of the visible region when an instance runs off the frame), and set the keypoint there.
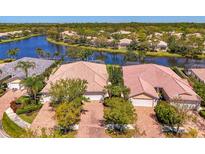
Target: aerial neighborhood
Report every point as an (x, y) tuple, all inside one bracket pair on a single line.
[(91, 80)]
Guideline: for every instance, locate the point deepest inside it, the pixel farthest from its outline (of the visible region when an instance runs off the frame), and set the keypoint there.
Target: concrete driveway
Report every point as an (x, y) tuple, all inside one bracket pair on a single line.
[(147, 123), (91, 124)]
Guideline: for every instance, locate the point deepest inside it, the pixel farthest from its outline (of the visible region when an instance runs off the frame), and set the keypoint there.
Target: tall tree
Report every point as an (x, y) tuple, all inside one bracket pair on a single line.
[(25, 66), (33, 86), (40, 52)]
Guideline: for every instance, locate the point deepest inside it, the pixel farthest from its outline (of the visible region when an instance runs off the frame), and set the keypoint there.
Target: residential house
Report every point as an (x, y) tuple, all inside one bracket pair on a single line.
[(124, 42), (162, 46), (150, 82), (95, 74), (198, 73), (13, 75)]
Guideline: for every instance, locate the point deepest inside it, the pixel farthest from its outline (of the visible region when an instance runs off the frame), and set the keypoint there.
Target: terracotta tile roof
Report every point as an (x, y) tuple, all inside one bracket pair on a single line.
[(200, 73), (156, 76), (95, 74)]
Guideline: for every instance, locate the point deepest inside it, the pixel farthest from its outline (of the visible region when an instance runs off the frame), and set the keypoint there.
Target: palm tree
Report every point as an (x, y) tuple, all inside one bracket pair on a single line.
[(40, 52), (56, 54), (33, 86), (25, 66), (13, 52)]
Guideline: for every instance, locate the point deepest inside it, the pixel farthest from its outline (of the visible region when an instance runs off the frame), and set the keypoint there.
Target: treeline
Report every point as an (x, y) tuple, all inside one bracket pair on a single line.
[(110, 27)]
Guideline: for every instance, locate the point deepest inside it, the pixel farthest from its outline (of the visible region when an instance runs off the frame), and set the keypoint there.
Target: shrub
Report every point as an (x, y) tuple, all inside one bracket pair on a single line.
[(67, 90), (168, 114), (115, 74), (119, 112), (202, 113), (23, 100), (67, 115), (28, 108)]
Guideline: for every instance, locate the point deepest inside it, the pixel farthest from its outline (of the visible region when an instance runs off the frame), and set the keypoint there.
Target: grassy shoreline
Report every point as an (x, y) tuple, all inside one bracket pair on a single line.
[(19, 39), (122, 51)]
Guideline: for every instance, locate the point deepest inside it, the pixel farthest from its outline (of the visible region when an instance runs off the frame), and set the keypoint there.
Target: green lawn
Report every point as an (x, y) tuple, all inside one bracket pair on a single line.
[(18, 39), (28, 117), (11, 128)]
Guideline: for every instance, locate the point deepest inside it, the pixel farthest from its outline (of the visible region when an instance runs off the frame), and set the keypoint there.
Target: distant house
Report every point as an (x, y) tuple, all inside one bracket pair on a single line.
[(95, 74), (150, 82), (162, 46), (124, 42), (13, 76), (198, 73), (123, 32), (68, 33)]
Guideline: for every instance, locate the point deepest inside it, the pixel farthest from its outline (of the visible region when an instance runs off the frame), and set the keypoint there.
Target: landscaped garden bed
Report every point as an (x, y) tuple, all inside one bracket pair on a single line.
[(11, 128)]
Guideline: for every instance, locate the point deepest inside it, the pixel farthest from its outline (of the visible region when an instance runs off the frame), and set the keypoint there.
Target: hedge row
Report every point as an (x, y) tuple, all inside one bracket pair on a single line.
[(29, 108)]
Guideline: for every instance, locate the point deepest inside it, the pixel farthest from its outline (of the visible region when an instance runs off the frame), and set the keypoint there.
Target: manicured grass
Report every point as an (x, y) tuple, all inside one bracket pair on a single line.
[(28, 117), (18, 39), (11, 128)]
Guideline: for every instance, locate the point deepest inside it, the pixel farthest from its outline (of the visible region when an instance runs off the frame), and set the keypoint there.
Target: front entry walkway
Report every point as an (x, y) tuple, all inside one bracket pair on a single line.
[(146, 122), (44, 120), (91, 124)]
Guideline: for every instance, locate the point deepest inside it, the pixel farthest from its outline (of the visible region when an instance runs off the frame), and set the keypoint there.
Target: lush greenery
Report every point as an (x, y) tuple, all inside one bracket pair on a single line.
[(18, 39), (199, 88), (202, 113), (116, 87), (25, 66), (67, 90), (168, 115), (11, 128), (67, 98), (33, 86), (28, 117), (119, 113), (68, 114), (28, 108)]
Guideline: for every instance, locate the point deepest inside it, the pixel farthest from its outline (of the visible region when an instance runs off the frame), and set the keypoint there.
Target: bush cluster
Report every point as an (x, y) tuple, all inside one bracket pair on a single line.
[(28, 108), (168, 114), (119, 112)]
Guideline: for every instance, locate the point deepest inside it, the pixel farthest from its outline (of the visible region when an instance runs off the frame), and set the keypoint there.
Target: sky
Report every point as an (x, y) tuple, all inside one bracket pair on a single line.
[(113, 19)]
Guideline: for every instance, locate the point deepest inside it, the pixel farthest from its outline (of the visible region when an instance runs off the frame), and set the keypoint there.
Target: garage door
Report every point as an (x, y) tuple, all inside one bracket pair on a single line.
[(94, 97), (142, 102), (13, 86)]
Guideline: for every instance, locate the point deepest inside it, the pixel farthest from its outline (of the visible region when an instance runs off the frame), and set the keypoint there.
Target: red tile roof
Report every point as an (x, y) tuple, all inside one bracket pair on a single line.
[(156, 76), (200, 73), (95, 74)]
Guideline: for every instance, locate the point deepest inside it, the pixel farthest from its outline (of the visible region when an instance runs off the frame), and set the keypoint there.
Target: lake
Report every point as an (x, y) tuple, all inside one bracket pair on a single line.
[(28, 49)]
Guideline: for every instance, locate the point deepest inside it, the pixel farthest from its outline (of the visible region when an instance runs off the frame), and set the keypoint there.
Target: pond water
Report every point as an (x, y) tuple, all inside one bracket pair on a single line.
[(28, 49)]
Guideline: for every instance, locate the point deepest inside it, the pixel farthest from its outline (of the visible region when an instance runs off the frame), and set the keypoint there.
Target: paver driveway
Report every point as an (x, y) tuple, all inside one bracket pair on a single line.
[(45, 119), (5, 101), (146, 122), (7, 98), (91, 124)]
